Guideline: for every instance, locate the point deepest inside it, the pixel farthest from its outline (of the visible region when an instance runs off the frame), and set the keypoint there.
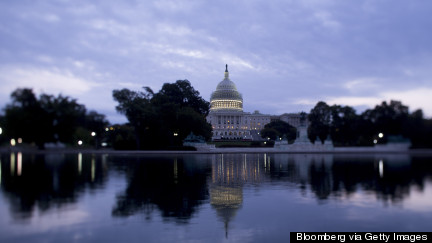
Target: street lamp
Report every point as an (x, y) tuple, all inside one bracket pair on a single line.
[(93, 134), (80, 142), (380, 135), (1, 130)]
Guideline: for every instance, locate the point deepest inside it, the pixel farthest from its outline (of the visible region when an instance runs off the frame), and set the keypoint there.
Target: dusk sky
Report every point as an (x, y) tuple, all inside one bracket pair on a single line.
[(284, 56)]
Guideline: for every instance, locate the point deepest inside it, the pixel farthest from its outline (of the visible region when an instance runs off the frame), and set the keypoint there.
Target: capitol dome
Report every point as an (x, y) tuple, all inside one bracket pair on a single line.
[(226, 97)]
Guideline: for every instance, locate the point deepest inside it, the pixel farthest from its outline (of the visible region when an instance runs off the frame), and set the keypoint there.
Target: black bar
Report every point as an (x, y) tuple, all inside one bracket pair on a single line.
[(386, 237)]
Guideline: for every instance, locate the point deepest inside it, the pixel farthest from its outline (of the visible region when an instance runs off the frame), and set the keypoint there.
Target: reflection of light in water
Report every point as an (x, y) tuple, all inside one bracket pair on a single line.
[(175, 171), (244, 168), (79, 163), (19, 163), (93, 168), (12, 163), (104, 161), (381, 168)]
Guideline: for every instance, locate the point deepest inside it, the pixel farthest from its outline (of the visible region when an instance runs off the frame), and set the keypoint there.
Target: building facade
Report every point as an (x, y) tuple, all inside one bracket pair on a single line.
[(230, 122)]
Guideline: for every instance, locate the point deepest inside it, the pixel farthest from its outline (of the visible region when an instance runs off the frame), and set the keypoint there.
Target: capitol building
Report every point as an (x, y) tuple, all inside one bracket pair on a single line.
[(228, 119)]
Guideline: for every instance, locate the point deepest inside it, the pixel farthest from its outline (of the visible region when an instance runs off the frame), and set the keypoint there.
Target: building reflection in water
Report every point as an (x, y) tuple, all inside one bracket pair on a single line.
[(176, 186), (229, 173)]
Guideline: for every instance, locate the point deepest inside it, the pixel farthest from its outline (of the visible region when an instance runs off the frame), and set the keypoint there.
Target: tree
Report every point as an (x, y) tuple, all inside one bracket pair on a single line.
[(182, 93), (388, 118), (47, 119), (95, 123), (344, 126), (269, 133), (164, 118), (64, 115), (2, 134), (25, 118), (319, 121), (279, 129), (138, 110)]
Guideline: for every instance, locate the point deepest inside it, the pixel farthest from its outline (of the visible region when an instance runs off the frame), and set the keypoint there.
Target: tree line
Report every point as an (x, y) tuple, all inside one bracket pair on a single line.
[(49, 119), (347, 128), (157, 120), (163, 119)]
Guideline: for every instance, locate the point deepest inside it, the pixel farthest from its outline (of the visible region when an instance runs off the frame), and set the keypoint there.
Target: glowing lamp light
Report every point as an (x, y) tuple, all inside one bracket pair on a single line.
[(375, 141), (107, 129), (380, 135), (1, 130), (93, 134), (12, 142), (80, 142), (19, 140)]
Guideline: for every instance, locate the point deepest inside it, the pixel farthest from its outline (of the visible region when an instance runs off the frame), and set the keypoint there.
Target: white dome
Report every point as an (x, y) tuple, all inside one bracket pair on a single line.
[(226, 97)]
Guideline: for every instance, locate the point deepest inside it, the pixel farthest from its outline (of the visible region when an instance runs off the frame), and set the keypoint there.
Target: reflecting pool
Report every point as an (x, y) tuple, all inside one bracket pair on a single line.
[(56, 197)]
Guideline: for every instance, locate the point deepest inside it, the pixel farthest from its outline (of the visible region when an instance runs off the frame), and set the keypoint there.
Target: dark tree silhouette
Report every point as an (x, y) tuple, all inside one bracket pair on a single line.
[(164, 118)]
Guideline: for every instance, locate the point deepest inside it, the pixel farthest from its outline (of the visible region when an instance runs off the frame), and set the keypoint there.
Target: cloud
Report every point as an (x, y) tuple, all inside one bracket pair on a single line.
[(361, 85), (296, 49), (415, 98), (354, 101), (175, 6), (46, 17), (51, 81), (327, 20)]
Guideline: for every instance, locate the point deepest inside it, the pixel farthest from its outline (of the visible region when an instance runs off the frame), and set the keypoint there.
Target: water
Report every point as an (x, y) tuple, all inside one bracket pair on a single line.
[(209, 197)]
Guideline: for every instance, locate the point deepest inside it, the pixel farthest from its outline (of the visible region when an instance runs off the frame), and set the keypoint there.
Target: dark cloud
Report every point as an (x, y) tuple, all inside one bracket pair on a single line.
[(283, 55)]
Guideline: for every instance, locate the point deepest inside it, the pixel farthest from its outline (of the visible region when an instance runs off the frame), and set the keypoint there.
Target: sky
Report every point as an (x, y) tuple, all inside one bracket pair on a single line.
[(283, 55)]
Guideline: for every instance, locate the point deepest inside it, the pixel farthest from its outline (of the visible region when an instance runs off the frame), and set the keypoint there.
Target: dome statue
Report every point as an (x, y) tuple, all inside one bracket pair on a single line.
[(226, 97)]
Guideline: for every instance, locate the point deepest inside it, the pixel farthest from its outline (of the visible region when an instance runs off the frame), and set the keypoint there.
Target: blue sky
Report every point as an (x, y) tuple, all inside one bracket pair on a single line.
[(284, 56)]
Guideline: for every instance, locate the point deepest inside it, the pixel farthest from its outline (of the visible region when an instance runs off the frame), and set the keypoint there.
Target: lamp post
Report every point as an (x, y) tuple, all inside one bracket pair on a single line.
[(93, 134)]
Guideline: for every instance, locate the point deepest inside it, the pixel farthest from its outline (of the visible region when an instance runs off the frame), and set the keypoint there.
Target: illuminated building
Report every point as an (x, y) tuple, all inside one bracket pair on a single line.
[(228, 119)]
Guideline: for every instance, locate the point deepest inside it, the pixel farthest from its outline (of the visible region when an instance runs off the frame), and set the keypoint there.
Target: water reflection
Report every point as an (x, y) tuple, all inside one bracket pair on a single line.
[(41, 182), (175, 188), (229, 173), (389, 177)]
